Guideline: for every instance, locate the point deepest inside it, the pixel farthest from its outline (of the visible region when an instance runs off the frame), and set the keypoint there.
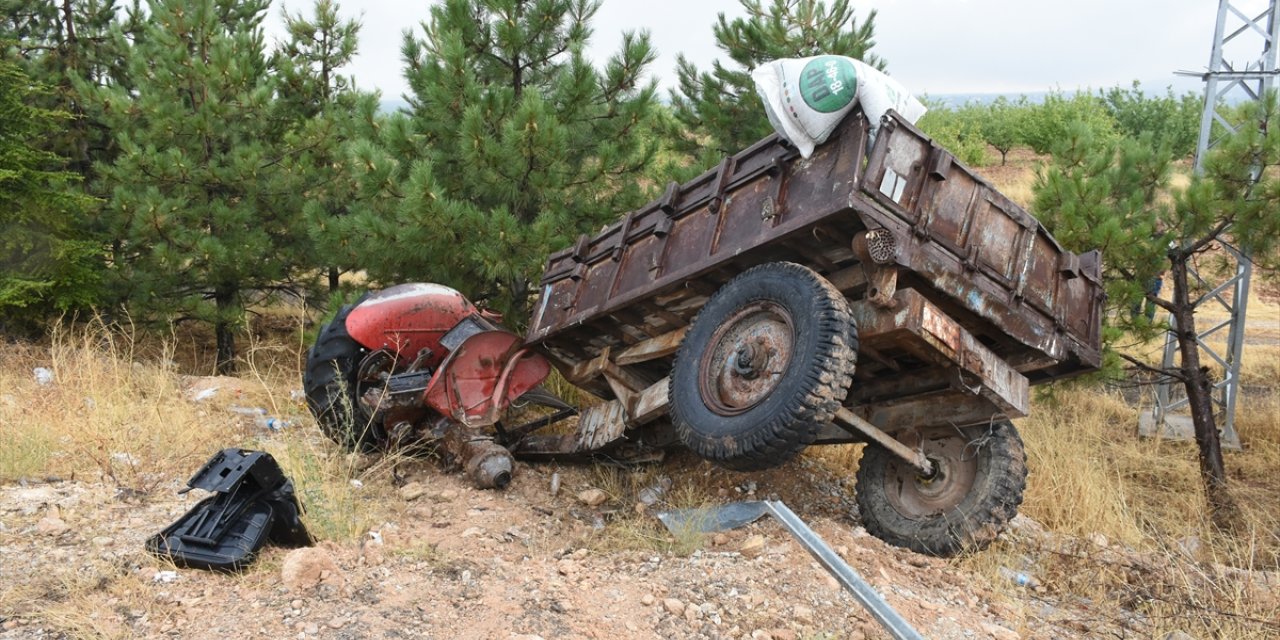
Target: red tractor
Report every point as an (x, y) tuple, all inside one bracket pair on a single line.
[(420, 363)]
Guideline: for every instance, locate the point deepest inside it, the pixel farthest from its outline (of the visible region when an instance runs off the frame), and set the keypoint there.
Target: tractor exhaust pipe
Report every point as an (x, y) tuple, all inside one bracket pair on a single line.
[(487, 464)]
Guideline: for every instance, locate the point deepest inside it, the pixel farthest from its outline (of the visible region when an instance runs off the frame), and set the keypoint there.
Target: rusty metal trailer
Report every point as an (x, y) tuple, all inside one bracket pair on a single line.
[(951, 298)]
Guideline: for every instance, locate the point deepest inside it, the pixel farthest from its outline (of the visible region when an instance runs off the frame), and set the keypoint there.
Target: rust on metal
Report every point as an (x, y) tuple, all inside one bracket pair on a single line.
[(953, 359), (961, 298), (945, 407), (979, 256), (486, 463), (940, 331), (954, 469), (880, 245), (746, 358), (482, 377), (874, 434), (876, 250)]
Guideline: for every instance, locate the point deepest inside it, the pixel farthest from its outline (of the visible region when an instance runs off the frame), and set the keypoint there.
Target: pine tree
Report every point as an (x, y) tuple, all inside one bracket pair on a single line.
[(45, 266), (199, 206), (60, 45), (514, 144), (326, 115), (1114, 195), (719, 110), (63, 43), (310, 62)]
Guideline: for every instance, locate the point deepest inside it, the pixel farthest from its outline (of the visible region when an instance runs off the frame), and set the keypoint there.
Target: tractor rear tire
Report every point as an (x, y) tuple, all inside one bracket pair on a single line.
[(330, 383), (975, 491), (763, 368)]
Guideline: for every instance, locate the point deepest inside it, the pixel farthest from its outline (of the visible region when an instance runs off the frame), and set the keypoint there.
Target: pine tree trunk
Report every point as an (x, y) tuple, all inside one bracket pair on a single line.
[(519, 301), (333, 279), (226, 337), (1222, 507), (79, 160)]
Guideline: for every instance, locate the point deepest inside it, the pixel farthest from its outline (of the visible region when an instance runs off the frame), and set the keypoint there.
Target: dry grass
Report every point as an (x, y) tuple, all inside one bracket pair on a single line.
[(119, 412), (1090, 474), (1080, 448), (1016, 178), (106, 415), (636, 530), (337, 508), (1165, 566)]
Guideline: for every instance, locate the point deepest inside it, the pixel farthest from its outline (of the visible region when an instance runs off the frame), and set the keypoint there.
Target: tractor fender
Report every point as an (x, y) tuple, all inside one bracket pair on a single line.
[(407, 318), (483, 376)]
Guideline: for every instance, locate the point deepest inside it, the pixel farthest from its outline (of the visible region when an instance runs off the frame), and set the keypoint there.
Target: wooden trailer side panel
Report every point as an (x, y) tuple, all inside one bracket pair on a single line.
[(978, 260), (759, 196)]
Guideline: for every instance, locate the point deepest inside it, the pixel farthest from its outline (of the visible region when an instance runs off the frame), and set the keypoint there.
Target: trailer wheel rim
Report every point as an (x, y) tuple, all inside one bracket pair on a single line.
[(746, 358), (955, 472)]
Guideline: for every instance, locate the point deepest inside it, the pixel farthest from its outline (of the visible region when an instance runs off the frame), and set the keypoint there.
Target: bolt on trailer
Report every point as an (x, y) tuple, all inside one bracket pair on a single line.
[(892, 297), (888, 296)]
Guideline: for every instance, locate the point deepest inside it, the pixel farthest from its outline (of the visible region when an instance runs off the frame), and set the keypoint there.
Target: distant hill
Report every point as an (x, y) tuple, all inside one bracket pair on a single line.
[(961, 99), (391, 105), (1179, 85)]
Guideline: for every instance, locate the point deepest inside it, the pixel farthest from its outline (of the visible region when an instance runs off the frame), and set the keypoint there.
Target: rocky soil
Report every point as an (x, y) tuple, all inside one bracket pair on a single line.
[(453, 562)]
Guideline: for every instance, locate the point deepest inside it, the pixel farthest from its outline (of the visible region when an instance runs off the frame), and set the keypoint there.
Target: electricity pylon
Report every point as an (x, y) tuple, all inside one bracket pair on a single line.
[(1227, 84)]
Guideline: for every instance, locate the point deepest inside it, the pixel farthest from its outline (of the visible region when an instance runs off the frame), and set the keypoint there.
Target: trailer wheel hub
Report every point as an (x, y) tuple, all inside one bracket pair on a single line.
[(915, 495), (747, 356)]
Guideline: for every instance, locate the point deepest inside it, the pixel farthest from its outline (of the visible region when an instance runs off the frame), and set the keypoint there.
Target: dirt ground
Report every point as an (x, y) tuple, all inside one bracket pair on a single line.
[(455, 562)]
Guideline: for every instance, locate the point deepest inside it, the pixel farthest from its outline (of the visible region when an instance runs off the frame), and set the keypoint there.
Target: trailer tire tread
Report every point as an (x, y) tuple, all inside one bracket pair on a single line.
[(969, 526), (812, 397)]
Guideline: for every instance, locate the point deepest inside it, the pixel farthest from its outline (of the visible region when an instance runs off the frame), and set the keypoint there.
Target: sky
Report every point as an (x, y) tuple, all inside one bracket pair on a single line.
[(935, 47)]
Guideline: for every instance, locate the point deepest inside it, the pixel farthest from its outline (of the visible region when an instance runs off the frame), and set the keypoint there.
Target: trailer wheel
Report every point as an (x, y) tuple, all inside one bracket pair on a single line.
[(330, 383), (975, 490), (764, 366)]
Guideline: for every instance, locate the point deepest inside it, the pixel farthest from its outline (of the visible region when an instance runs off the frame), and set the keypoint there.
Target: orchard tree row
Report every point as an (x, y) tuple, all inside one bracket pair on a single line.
[(970, 130)]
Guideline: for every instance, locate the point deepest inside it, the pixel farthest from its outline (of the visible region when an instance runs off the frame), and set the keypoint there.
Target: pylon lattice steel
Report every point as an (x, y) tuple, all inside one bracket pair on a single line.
[(1226, 83)]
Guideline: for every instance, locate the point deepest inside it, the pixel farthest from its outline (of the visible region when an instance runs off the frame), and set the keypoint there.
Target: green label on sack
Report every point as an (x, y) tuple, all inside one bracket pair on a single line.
[(828, 84)]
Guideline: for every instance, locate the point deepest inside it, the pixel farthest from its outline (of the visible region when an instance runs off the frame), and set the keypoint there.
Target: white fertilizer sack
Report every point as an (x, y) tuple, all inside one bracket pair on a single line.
[(806, 98)]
